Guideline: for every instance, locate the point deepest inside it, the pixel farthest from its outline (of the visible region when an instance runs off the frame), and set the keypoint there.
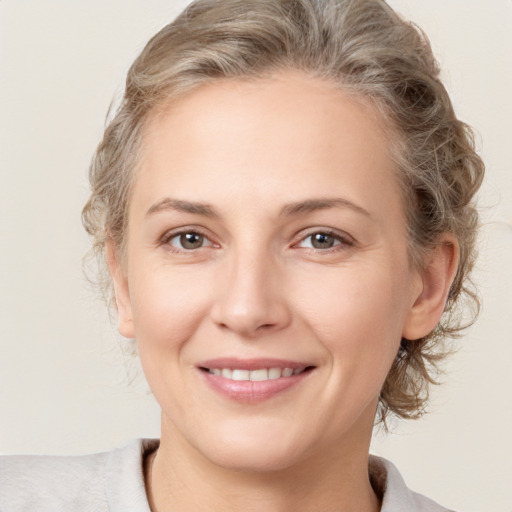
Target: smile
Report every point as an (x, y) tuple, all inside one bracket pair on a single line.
[(257, 375), (255, 380)]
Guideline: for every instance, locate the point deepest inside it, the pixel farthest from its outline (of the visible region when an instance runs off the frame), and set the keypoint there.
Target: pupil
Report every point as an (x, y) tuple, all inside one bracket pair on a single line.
[(191, 240), (322, 241)]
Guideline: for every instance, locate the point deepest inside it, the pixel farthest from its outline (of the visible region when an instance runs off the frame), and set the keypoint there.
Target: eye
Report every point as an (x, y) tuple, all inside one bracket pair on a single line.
[(188, 241), (323, 240)]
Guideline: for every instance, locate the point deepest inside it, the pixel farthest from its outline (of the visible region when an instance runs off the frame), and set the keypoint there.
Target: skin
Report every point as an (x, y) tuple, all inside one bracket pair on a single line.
[(258, 287)]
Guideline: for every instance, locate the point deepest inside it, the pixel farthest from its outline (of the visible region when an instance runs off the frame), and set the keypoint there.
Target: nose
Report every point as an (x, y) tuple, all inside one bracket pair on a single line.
[(251, 298)]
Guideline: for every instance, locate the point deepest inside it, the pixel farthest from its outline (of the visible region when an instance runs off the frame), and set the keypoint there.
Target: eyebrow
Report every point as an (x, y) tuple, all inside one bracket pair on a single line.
[(291, 209), (182, 206), (311, 205)]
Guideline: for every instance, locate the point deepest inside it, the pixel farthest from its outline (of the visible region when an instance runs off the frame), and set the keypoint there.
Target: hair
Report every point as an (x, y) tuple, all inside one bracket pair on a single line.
[(362, 47)]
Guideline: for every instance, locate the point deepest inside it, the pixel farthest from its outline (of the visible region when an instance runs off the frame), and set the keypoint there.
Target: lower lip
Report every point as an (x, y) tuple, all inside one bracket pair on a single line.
[(248, 391)]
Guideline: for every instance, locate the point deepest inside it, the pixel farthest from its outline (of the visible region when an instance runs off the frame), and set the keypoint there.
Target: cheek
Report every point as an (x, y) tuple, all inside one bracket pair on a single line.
[(357, 316), (168, 306), (168, 309)]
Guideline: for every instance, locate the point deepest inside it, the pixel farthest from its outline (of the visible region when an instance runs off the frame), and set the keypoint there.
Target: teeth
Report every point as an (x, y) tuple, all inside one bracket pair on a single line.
[(240, 374), (255, 375), (258, 375), (274, 373)]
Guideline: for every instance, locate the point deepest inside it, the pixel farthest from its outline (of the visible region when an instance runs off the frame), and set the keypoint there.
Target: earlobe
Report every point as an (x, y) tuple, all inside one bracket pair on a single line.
[(122, 295), (436, 278)]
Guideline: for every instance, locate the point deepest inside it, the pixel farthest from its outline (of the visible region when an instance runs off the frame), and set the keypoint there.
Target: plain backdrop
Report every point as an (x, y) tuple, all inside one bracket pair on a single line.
[(65, 384)]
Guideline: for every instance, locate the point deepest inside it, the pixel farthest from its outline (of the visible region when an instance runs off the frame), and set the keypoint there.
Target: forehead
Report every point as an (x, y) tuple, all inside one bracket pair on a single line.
[(290, 135)]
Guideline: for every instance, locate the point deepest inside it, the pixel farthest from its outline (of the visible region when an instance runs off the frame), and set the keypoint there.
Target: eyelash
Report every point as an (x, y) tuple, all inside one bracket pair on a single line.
[(168, 237), (341, 241)]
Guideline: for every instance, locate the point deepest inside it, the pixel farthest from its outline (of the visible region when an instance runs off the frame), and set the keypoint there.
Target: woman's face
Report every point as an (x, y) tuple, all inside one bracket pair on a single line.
[(266, 237)]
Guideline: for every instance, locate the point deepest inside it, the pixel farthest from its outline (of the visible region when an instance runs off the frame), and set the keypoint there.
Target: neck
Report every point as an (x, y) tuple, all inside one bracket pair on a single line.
[(180, 478)]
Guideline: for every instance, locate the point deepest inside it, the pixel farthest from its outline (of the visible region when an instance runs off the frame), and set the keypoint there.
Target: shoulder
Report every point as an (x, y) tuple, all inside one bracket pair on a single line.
[(98, 482), (32, 482), (396, 497)]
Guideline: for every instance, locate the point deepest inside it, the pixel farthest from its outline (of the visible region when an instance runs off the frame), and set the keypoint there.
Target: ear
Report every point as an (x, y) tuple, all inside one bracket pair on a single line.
[(123, 303), (436, 279)]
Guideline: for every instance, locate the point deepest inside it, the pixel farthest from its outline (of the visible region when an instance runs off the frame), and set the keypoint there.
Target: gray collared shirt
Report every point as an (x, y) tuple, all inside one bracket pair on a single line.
[(114, 482)]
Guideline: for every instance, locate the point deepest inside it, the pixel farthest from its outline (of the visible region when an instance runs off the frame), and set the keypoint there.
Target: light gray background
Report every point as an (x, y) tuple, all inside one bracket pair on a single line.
[(63, 379)]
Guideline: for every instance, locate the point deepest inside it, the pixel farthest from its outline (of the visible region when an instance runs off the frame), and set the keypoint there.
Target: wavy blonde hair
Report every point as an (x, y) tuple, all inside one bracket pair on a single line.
[(361, 46)]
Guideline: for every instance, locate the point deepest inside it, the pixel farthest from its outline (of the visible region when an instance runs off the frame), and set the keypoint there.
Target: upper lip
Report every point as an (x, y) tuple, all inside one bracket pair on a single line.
[(252, 364)]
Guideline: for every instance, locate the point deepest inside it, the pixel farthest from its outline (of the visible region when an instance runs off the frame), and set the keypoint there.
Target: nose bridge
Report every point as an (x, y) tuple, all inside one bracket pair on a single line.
[(251, 300)]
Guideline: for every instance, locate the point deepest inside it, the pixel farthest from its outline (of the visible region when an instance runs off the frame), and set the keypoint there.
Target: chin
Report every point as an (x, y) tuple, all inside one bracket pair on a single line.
[(255, 451), (253, 460)]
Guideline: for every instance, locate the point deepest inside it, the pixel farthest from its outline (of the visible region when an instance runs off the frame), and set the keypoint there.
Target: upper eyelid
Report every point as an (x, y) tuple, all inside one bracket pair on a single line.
[(172, 233), (341, 235)]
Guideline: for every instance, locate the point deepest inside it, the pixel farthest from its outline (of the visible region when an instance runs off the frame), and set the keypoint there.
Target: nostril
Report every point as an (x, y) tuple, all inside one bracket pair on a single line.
[(249, 319)]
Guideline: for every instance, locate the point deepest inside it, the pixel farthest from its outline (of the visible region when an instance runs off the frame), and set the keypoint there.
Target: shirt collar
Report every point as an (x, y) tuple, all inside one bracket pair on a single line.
[(126, 492)]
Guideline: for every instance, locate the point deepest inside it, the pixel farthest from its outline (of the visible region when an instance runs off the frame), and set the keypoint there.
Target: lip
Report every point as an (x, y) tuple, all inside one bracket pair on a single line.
[(252, 391), (234, 363)]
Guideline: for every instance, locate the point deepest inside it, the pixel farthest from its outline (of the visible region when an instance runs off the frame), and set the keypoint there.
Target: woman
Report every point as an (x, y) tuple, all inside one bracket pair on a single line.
[(284, 204)]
